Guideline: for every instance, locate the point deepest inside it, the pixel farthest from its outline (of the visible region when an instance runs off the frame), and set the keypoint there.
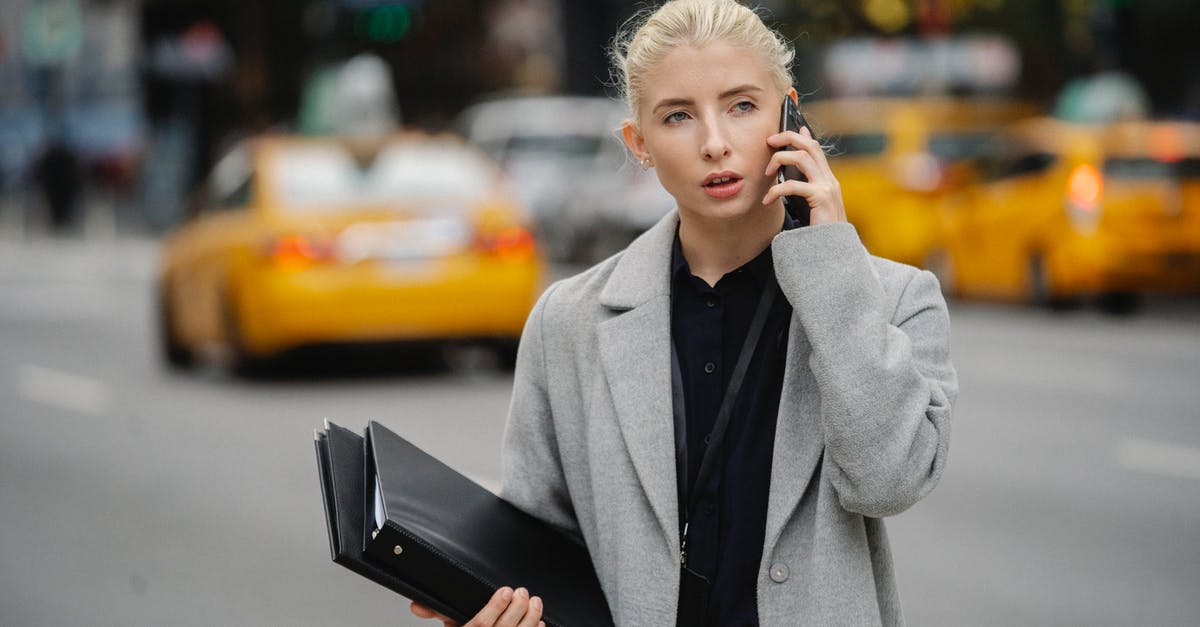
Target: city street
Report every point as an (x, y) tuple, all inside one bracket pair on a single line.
[(133, 496)]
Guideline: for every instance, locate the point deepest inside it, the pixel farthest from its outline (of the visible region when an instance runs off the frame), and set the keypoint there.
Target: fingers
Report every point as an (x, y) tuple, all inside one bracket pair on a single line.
[(522, 611), (516, 609), (495, 607), (533, 617), (806, 154), (506, 608), (821, 190)]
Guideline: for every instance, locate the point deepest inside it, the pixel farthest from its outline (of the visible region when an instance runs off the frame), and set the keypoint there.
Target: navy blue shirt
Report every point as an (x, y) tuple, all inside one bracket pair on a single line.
[(708, 327)]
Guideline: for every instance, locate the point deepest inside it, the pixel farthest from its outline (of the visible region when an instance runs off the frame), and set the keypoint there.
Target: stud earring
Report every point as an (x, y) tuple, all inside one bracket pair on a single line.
[(647, 164)]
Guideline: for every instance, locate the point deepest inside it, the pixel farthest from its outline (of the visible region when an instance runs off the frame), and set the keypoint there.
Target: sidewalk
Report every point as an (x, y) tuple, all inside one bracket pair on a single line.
[(87, 256)]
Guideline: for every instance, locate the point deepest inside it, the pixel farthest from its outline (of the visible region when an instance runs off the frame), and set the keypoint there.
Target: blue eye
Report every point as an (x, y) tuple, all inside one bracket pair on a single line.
[(675, 118), (744, 106)]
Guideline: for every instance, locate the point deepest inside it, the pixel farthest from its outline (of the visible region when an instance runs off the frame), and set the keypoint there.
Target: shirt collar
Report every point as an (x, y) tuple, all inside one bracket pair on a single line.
[(761, 268)]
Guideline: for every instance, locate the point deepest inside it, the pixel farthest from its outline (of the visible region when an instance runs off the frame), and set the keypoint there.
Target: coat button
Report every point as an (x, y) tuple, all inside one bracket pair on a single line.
[(779, 573), (709, 367)]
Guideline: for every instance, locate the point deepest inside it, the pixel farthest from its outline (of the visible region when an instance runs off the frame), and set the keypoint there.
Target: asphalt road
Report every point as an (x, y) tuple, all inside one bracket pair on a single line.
[(134, 496)]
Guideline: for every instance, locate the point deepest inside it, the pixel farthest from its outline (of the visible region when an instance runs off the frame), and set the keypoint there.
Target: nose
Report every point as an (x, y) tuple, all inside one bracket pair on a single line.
[(714, 146)]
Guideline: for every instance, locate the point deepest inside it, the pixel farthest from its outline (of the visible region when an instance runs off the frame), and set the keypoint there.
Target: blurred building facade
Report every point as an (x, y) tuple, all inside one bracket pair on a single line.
[(143, 93)]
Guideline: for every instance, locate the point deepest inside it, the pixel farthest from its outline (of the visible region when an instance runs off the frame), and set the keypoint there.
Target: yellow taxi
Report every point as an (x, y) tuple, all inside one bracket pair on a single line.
[(1061, 211), (302, 241), (895, 157)]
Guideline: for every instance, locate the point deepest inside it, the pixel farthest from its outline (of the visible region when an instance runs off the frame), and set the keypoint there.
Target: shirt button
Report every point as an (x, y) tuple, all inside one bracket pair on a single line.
[(779, 573), (709, 367), (711, 302)]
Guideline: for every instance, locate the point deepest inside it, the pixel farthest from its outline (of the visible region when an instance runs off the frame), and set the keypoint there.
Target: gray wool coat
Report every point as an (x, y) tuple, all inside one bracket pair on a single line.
[(862, 433)]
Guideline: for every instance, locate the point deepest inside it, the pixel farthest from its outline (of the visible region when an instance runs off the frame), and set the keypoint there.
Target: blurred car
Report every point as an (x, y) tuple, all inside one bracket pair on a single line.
[(1063, 210), (565, 158), (895, 157), (317, 240)]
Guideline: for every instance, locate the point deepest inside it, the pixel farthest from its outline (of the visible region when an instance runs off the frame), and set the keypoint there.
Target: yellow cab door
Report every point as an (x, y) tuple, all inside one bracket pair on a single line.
[(201, 253), (994, 225)]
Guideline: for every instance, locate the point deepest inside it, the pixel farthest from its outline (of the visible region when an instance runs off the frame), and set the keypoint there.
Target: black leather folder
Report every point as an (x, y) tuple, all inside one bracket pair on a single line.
[(406, 521)]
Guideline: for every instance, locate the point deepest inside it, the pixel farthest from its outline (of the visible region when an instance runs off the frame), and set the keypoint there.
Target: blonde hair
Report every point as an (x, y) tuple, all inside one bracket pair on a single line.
[(650, 35)]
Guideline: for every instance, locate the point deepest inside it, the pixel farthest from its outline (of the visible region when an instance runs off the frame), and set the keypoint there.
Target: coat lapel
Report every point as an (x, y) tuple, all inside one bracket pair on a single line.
[(799, 436), (635, 352)]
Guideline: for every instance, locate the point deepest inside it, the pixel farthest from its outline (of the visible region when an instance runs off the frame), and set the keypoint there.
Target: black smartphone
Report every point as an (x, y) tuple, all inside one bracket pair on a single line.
[(790, 119)]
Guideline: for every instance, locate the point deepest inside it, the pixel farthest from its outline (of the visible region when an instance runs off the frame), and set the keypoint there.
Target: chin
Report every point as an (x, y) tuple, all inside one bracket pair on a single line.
[(730, 210)]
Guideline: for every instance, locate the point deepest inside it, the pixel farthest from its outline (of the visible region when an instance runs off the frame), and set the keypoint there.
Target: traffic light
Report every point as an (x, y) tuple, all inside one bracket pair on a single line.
[(385, 22)]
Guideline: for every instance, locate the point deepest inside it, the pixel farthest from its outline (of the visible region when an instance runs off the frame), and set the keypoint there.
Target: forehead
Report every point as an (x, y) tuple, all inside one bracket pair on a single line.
[(695, 72)]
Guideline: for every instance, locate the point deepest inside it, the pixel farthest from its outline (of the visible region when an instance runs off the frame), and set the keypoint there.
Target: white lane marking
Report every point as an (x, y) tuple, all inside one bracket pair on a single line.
[(1158, 458), (63, 390)]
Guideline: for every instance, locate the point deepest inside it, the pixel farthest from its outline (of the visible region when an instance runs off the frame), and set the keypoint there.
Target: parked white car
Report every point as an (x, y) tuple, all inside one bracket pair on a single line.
[(565, 159)]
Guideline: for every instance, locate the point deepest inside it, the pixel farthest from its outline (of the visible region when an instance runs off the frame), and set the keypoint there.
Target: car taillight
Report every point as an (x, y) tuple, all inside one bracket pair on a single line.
[(512, 243), (1085, 185), (296, 252)]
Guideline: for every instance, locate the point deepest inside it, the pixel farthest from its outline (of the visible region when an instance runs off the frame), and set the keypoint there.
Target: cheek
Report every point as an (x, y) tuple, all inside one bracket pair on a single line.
[(755, 144), (670, 162)]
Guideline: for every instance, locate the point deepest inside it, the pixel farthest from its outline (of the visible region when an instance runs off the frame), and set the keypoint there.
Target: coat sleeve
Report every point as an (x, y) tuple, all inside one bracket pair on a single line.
[(880, 353), (532, 469)]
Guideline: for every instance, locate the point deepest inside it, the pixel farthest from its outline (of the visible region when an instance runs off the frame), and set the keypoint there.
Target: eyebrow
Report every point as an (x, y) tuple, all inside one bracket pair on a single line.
[(674, 102)]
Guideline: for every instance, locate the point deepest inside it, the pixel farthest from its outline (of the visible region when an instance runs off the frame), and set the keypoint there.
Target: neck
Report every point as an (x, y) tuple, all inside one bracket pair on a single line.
[(713, 248)]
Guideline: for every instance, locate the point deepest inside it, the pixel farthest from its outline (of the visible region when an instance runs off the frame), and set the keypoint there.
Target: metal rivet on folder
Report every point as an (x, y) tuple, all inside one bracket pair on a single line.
[(374, 533), (397, 549)]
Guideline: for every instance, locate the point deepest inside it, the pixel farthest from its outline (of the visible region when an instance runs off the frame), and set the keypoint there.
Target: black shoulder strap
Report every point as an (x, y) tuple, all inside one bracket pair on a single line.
[(735, 383)]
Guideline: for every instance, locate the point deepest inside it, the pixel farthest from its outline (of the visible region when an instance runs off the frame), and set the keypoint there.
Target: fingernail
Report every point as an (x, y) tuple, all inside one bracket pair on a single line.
[(522, 592), (536, 603), (506, 593)]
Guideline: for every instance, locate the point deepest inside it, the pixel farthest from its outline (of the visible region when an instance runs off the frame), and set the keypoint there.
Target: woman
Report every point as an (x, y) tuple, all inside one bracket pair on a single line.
[(843, 412)]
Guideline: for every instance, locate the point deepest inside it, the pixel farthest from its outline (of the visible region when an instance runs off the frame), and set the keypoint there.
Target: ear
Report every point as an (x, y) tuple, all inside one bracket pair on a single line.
[(634, 140)]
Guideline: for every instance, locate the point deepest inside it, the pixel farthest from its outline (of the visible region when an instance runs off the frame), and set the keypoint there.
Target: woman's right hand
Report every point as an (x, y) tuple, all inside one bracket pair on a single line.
[(507, 608)]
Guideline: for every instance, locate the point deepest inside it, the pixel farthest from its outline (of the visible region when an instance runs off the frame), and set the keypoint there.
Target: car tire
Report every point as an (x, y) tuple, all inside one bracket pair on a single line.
[(174, 353), (241, 362), (1119, 303), (506, 355), (1041, 289), (942, 266)]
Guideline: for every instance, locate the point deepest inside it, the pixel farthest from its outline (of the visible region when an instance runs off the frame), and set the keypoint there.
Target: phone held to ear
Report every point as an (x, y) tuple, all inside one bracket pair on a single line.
[(790, 119)]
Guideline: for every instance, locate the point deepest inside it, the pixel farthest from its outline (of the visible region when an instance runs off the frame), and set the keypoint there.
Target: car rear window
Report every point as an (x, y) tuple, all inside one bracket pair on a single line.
[(315, 176), (429, 172), (993, 168), (559, 145), (959, 146), (322, 177), (1146, 168), (858, 144)]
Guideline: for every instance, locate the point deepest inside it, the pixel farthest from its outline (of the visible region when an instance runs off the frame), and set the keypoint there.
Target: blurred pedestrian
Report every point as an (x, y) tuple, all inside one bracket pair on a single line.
[(725, 411), (61, 182)]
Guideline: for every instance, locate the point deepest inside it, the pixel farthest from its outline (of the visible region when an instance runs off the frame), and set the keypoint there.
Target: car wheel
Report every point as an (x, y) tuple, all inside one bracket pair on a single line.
[(1042, 291), (174, 353), (241, 362), (506, 355), (1119, 303), (939, 263)]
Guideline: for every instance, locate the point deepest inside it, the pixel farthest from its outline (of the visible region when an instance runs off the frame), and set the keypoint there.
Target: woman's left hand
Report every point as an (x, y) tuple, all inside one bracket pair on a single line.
[(822, 191)]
